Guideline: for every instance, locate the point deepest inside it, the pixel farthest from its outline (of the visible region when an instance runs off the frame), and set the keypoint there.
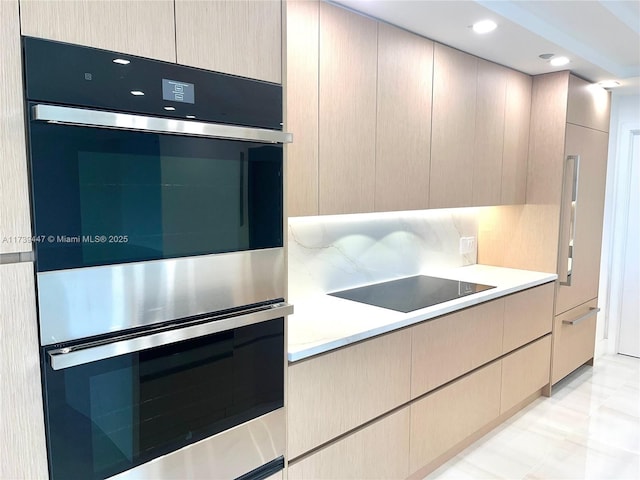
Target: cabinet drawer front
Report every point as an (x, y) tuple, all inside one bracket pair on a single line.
[(524, 372), (527, 315), (449, 346), (573, 344), (378, 451), (446, 417), (334, 393)]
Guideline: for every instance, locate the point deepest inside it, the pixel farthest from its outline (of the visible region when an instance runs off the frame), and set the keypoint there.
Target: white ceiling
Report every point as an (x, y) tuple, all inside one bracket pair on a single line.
[(601, 37)]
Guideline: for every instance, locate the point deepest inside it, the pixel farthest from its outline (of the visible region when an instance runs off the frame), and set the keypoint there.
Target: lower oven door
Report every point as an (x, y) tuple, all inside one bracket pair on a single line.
[(202, 400)]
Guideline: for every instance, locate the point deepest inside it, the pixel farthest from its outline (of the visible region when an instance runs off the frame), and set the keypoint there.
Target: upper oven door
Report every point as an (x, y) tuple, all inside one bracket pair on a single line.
[(105, 196)]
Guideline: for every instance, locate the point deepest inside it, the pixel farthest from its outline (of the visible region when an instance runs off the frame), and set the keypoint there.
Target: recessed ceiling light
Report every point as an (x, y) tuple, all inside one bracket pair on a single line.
[(191, 116), (121, 61), (484, 26), (137, 93), (546, 56), (170, 109), (559, 61), (609, 84)]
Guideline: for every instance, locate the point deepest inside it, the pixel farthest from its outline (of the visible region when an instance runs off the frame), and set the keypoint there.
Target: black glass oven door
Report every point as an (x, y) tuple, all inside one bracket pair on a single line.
[(110, 415), (106, 196)]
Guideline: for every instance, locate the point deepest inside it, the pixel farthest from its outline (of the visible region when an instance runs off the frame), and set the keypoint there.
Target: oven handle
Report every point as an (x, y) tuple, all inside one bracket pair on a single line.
[(92, 351), (83, 117)]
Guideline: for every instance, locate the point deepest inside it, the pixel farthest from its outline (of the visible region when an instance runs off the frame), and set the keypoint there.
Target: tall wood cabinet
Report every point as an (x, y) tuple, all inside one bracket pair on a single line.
[(23, 451), (15, 220), (569, 121), (301, 106)]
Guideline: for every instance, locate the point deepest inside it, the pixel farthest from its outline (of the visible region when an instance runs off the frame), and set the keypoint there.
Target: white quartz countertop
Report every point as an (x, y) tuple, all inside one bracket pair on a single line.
[(324, 322)]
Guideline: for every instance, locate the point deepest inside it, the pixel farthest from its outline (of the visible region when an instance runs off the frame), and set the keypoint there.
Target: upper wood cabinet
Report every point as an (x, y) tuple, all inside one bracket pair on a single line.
[(301, 107), (489, 133), (15, 220), (403, 134), (348, 65), (588, 105), (453, 128), (240, 37), (546, 143), (517, 115), (139, 27)]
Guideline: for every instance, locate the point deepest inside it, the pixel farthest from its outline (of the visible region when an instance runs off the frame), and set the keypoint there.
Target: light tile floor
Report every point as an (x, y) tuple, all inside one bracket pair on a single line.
[(588, 429)]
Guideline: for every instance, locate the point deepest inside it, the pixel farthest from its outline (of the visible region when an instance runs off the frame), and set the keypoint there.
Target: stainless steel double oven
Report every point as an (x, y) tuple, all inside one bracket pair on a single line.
[(157, 196)]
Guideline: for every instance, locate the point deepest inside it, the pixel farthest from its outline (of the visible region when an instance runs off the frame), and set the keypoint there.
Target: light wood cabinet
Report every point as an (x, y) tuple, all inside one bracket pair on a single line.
[(348, 65), (139, 27), (546, 142), (516, 138), (333, 393), (446, 417), (592, 146), (241, 37), (446, 347), (453, 128), (569, 117), (527, 315), (524, 372), (403, 134), (588, 105), (489, 133), (301, 106), (378, 451), (15, 222), (574, 341), (22, 438)]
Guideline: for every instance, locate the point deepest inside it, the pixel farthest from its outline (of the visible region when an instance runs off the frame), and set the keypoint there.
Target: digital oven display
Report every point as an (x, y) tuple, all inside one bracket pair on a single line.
[(177, 91)]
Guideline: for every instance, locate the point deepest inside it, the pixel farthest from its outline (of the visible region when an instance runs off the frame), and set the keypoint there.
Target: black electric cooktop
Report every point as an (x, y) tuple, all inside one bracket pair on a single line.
[(411, 293)]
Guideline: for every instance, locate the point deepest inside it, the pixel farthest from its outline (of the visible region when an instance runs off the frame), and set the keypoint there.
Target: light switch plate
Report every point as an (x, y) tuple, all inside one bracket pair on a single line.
[(467, 245)]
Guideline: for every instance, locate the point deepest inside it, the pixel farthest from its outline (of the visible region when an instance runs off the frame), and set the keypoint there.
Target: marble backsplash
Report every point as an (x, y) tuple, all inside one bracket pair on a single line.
[(330, 253)]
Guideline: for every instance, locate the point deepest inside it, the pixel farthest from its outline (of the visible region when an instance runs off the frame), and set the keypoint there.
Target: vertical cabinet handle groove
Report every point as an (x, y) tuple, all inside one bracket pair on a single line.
[(569, 216)]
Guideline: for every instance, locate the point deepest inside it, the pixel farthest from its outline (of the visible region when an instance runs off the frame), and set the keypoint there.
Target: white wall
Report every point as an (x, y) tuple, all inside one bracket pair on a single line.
[(625, 118)]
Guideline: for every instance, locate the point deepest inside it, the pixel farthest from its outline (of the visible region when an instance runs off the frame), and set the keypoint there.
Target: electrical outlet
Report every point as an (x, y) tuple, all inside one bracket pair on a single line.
[(467, 245)]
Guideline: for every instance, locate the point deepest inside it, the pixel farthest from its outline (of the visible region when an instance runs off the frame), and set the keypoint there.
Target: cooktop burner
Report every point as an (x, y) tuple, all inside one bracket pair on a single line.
[(411, 293)]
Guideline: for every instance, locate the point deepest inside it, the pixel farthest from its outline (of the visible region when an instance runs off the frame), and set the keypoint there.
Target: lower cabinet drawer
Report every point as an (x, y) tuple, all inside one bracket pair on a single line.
[(446, 417), (447, 347), (574, 338), (527, 315), (334, 393), (378, 451), (524, 372)]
